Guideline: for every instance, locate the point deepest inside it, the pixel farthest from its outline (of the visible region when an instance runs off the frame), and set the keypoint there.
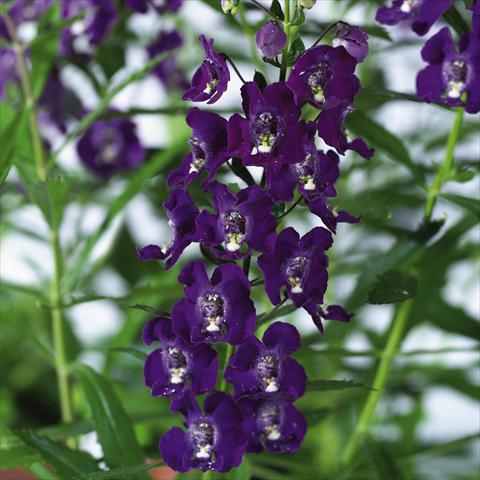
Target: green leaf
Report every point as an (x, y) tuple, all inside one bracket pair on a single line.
[(67, 462), (260, 80), (470, 204), (134, 352), (112, 423), (383, 460), (392, 287), (276, 9), (121, 472), (296, 49), (456, 21), (14, 452), (51, 197), (383, 140), (275, 313), (323, 385), (243, 472), (148, 309)]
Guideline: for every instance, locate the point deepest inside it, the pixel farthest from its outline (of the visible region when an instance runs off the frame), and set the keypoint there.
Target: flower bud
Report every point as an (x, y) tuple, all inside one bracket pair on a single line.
[(306, 3), (230, 6), (271, 39)]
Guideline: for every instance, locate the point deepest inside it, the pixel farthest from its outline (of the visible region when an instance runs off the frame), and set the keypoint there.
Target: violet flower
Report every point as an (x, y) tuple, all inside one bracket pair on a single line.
[(210, 80), (353, 39), (421, 13), (215, 310), (272, 132), (22, 11), (327, 312), (264, 369), (168, 71), (110, 146), (214, 440), (243, 222), (177, 366), (271, 39), (8, 66), (275, 426), (324, 77), (161, 6), (208, 142), (182, 213), (451, 73)]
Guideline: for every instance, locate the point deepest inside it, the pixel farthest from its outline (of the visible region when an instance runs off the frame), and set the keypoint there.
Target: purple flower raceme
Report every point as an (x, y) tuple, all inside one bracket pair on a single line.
[(421, 13), (214, 439), (275, 426), (177, 366), (208, 142), (451, 73), (243, 222), (272, 132), (324, 77), (210, 80), (110, 146), (168, 70), (161, 6), (215, 310), (182, 214), (353, 39), (264, 370), (271, 39)]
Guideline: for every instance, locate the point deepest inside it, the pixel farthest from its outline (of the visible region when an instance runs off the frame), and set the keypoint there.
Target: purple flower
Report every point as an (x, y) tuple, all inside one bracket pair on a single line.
[(168, 71), (272, 425), (330, 127), (161, 6), (422, 13), (215, 310), (214, 440), (299, 264), (324, 77), (264, 369), (353, 39), (451, 73), (182, 213), (271, 133), (211, 78), (271, 39), (330, 312), (100, 15), (177, 366), (243, 222), (8, 64), (208, 142), (23, 11), (110, 146)]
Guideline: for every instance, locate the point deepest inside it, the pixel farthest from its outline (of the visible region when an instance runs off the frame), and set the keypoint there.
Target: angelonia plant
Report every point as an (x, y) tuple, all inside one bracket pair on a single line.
[(210, 343)]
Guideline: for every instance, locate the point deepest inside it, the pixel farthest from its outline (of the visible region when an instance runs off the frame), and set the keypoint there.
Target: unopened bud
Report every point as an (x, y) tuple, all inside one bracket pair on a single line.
[(230, 6), (306, 3)]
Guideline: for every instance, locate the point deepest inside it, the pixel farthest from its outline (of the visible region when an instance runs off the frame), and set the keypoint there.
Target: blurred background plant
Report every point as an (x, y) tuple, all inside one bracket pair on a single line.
[(74, 296)]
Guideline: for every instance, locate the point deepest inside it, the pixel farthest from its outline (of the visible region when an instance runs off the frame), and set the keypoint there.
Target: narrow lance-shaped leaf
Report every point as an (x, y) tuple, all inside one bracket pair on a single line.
[(392, 287)]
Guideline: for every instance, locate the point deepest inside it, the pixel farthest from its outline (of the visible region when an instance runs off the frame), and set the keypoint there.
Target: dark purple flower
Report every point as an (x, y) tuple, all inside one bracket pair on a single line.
[(330, 312), (211, 78), (110, 146), (215, 310), (182, 213), (8, 64), (451, 73), (272, 425), (353, 39), (208, 142), (161, 6), (99, 16), (272, 132), (422, 13), (299, 264), (324, 77), (168, 70), (476, 18), (271, 39), (177, 366), (243, 222), (330, 127), (214, 440), (264, 369)]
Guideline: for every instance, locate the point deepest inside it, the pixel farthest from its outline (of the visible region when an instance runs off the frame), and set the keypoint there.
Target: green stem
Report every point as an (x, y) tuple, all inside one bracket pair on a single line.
[(28, 99), (445, 168), (394, 338), (228, 354), (286, 27)]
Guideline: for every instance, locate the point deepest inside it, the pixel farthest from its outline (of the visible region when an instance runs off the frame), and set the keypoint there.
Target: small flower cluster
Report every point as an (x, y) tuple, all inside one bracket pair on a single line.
[(452, 76), (259, 414)]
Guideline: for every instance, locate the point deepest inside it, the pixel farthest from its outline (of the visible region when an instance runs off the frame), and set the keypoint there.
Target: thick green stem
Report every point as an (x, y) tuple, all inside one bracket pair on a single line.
[(445, 168), (28, 99), (394, 338), (286, 27)]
